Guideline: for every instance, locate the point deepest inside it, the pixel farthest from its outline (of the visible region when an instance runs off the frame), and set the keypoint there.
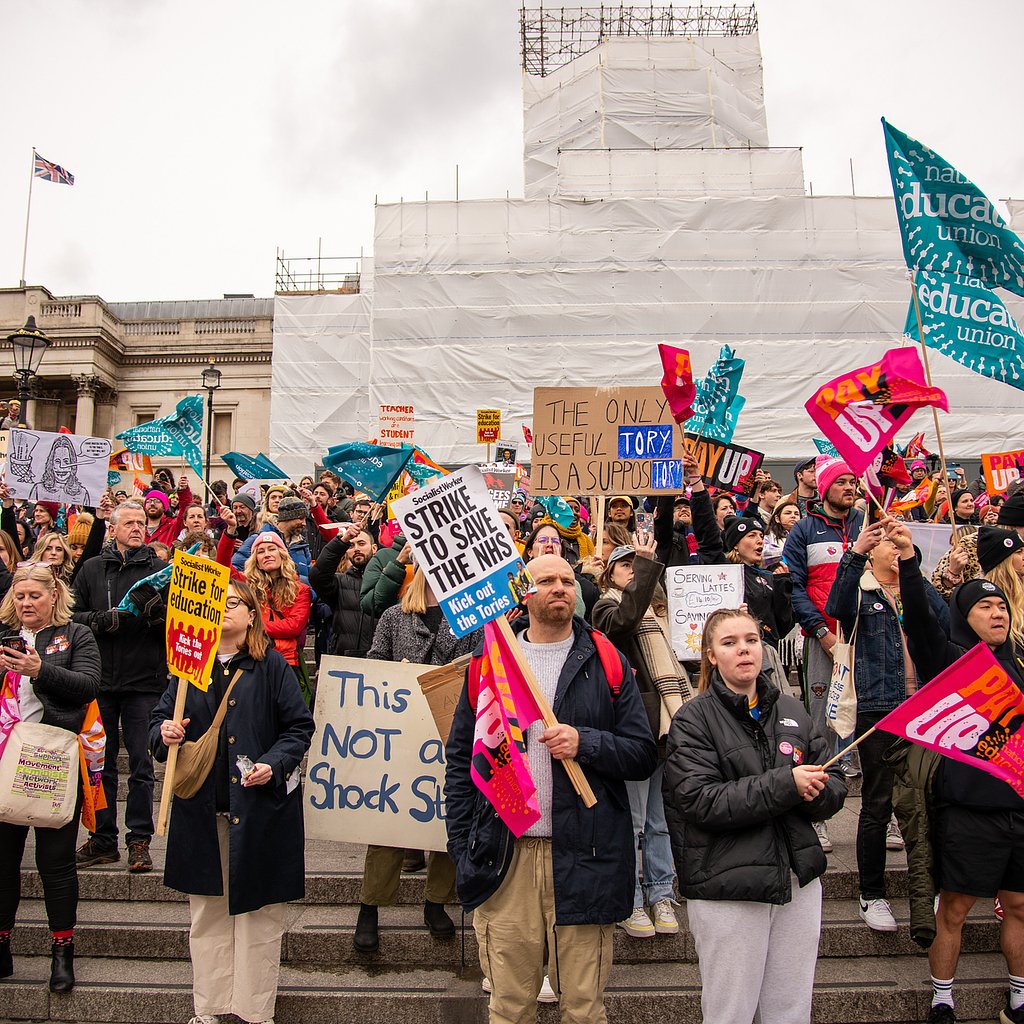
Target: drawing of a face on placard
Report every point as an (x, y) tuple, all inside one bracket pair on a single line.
[(70, 469)]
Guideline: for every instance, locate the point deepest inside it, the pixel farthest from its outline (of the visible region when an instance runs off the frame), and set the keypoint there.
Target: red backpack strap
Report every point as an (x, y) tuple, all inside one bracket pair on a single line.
[(473, 680), (611, 662)]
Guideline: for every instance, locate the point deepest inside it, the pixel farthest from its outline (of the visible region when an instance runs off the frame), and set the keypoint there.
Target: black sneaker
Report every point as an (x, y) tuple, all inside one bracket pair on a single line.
[(139, 860), (942, 1013), (90, 853), (1008, 1016)]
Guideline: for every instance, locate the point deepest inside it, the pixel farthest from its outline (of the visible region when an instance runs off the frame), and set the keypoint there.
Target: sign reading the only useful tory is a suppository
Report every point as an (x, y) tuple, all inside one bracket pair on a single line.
[(463, 547)]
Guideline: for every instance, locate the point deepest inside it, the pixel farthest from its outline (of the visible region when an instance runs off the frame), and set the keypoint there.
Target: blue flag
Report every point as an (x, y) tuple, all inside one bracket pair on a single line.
[(826, 448), (718, 401), (947, 223), (370, 467), (966, 321), (176, 434), (245, 467), (558, 510)]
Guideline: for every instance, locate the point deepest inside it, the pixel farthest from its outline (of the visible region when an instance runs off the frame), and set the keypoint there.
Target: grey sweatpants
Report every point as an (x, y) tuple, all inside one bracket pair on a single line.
[(777, 948)]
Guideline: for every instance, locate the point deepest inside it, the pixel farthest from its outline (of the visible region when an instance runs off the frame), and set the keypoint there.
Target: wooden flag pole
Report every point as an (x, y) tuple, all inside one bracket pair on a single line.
[(576, 776), (867, 491), (856, 743), (935, 412), (167, 789), (599, 530)]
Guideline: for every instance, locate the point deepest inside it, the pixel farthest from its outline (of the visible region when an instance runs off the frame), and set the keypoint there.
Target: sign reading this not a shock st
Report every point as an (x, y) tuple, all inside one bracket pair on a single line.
[(463, 547), (604, 441), (195, 614)]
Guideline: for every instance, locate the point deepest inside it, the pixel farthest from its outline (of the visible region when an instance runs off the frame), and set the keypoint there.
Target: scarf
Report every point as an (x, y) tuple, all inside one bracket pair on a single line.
[(574, 532)]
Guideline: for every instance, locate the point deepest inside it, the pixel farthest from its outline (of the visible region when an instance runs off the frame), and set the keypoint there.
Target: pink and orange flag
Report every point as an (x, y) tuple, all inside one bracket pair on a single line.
[(504, 710), (677, 383)]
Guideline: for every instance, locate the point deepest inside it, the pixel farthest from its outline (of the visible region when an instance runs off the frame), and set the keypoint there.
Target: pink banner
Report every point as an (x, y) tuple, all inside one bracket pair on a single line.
[(677, 382), (863, 410), (504, 709), (972, 712)]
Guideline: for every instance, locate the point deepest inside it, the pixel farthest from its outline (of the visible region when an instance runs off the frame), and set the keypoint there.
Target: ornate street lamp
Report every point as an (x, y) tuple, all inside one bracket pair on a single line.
[(30, 345), (211, 381)]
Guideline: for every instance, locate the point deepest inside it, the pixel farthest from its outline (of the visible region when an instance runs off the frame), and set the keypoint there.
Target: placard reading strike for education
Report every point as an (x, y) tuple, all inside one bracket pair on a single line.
[(462, 545), (694, 592), (488, 425), (375, 772), (604, 441), (195, 614)]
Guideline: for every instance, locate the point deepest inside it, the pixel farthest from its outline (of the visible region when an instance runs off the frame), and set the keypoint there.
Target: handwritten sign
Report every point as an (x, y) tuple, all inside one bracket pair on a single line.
[(1002, 469), (694, 592), (488, 425), (195, 614), (604, 441), (376, 764), (727, 466), (462, 545), (67, 468), (396, 423)]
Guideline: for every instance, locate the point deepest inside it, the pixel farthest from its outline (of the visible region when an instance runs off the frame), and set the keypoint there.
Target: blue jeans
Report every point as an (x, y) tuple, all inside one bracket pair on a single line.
[(126, 716), (650, 829)]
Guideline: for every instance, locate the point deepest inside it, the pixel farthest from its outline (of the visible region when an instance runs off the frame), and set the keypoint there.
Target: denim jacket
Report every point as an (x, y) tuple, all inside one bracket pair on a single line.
[(879, 670)]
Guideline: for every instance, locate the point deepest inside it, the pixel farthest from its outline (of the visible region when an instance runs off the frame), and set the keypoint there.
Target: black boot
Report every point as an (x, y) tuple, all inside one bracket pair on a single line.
[(62, 970), (6, 961), (436, 918), (366, 939)]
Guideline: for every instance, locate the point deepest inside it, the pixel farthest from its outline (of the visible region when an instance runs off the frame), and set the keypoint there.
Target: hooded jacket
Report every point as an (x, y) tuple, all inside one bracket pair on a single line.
[(812, 552), (737, 822), (932, 652), (351, 628)]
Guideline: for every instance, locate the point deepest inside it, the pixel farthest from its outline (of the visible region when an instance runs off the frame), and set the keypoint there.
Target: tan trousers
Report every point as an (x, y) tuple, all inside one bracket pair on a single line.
[(382, 871), (515, 930), (236, 960)]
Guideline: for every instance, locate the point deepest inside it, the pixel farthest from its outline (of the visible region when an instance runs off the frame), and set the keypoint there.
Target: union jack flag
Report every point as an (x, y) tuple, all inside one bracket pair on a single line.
[(52, 172)]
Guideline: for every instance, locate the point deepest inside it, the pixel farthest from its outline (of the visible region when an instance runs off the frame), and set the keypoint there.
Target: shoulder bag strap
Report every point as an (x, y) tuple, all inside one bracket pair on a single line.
[(222, 710)]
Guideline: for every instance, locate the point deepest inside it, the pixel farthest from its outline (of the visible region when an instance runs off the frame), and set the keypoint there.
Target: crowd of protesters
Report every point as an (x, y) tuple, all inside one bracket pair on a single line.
[(710, 771)]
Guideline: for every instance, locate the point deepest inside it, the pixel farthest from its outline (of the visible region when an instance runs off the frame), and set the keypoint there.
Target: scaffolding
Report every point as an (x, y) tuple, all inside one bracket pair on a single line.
[(551, 37), (314, 274)]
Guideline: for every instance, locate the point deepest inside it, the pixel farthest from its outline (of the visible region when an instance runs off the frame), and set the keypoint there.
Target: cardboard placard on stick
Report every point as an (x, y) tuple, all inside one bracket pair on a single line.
[(442, 687), (593, 441)]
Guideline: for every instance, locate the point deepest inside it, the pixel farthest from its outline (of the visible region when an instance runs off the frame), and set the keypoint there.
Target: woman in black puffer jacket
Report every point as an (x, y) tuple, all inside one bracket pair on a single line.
[(53, 666), (742, 788)]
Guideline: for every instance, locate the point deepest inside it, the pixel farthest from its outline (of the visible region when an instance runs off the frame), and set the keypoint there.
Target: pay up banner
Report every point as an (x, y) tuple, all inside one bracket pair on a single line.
[(694, 592), (726, 466), (375, 771), (1001, 469), (604, 441), (462, 545), (70, 469), (195, 614)]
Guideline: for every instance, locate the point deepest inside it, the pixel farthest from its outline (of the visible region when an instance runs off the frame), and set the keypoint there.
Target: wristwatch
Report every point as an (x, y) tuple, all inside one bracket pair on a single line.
[(820, 632)]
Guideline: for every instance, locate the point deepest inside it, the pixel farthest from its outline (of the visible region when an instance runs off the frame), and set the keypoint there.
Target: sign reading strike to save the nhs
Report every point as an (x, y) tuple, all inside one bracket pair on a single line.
[(463, 547), (966, 321)]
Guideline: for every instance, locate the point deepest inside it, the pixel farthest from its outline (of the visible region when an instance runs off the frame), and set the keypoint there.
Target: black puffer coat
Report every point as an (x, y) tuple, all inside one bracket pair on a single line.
[(737, 823), (351, 627), (69, 677)]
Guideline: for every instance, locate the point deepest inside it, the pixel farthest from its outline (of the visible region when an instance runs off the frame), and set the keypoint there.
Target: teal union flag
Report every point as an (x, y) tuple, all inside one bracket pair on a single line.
[(948, 225), (176, 434), (966, 321)]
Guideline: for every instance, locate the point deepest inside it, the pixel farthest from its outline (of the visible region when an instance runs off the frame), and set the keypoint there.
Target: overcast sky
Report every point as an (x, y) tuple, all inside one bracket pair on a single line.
[(203, 136)]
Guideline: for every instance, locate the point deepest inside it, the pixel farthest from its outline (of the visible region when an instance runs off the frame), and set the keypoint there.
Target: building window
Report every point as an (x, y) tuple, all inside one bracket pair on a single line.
[(221, 432), (140, 416)]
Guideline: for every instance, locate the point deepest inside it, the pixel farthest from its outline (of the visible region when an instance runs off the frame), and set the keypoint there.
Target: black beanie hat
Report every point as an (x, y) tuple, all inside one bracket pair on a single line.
[(968, 594), (1012, 512), (738, 527), (995, 545)]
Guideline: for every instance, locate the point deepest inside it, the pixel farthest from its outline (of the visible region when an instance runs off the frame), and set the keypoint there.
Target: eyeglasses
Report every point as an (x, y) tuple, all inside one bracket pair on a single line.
[(554, 543), (233, 602)]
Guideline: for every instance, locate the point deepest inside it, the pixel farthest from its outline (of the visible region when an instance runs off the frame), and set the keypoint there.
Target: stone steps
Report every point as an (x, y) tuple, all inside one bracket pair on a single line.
[(893, 989)]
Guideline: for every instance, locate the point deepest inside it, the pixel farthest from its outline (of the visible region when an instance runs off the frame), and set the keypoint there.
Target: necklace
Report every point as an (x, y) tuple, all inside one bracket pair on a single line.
[(894, 596)]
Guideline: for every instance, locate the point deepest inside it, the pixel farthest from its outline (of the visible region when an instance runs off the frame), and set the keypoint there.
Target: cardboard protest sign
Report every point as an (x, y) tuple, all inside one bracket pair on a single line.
[(1002, 469), (375, 771), (462, 545), (727, 466), (442, 686), (70, 469), (488, 425), (195, 614), (604, 441), (972, 712), (694, 592), (396, 423)]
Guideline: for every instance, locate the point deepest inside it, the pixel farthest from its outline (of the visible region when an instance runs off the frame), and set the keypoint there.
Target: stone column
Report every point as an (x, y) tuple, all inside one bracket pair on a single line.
[(86, 408)]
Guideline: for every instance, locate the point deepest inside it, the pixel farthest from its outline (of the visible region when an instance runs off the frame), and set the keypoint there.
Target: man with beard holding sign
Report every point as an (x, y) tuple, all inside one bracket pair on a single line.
[(510, 883)]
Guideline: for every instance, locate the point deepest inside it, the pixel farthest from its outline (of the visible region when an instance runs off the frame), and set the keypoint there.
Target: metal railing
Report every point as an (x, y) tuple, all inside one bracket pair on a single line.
[(317, 274)]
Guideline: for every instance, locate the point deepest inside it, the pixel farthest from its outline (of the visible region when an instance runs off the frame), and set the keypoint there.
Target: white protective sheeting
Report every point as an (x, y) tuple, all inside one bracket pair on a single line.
[(320, 375), (638, 93)]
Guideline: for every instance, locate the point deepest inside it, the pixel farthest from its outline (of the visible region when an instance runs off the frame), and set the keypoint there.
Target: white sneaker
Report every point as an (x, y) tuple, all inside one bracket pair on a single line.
[(893, 836), (821, 829), (664, 915), (547, 993), (877, 915), (486, 984), (638, 925), (205, 1018)]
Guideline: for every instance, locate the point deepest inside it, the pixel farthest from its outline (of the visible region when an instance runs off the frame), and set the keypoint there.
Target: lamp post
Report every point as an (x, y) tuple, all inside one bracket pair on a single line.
[(29, 344), (211, 381)]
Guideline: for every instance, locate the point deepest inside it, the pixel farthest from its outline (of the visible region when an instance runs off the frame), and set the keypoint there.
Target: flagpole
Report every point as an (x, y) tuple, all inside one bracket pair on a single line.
[(856, 743), (935, 412), (28, 212)]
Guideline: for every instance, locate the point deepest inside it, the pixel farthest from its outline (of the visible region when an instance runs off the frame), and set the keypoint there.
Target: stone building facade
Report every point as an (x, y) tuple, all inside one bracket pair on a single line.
[(114, 365)]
